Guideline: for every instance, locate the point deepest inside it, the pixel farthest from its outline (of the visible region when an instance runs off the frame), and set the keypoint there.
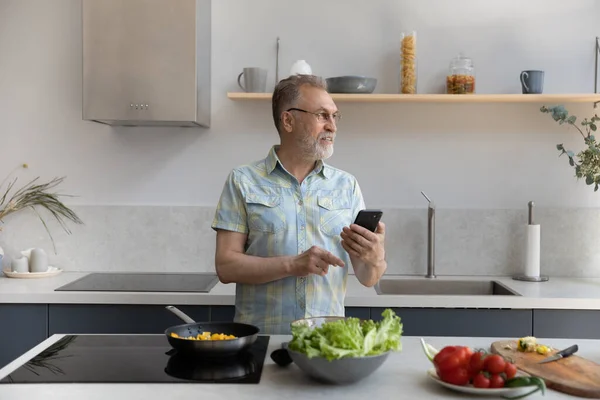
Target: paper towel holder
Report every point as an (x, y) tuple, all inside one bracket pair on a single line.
[(526, 278)]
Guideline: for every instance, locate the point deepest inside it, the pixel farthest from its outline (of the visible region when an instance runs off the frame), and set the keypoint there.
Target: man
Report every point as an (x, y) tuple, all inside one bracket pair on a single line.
[(284, 223)]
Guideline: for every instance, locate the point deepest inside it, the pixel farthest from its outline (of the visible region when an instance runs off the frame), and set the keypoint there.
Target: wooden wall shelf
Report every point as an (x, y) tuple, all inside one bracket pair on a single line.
[(441, 98)]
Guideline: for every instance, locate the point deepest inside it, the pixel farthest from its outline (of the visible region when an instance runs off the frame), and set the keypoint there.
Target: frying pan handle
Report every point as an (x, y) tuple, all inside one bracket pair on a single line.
[(180, 314)]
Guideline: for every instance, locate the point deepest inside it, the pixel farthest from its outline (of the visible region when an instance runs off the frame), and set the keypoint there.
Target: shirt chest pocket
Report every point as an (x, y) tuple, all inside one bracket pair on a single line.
[(334, 213), (265, 213)]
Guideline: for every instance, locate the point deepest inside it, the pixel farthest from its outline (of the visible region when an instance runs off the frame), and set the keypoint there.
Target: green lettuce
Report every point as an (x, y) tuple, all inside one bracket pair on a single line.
[(348, 337)]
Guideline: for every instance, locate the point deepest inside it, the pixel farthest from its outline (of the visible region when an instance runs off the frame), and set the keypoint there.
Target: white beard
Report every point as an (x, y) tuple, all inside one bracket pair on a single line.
[(313, 150)]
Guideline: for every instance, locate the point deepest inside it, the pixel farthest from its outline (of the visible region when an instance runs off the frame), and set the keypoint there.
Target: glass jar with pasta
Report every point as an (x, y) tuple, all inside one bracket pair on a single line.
[(408, 62), (461, 77)]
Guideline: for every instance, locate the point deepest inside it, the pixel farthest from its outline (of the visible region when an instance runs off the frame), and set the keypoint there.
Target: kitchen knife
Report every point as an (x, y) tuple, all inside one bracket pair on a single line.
[(561, 354)]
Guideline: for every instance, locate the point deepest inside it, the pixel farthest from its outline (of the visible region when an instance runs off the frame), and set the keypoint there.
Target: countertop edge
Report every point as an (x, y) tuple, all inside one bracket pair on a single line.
[(402, 377), (558, 293)]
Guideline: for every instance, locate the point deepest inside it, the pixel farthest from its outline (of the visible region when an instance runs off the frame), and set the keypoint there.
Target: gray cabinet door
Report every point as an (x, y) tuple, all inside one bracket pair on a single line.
[(222, 313), (227, 313), (358, 312), (576, 324), (23, 326), (462, 322), (117, 318)]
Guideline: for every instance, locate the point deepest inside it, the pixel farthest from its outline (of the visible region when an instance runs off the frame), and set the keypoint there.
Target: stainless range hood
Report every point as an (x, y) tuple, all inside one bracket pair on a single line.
[(147, 62)]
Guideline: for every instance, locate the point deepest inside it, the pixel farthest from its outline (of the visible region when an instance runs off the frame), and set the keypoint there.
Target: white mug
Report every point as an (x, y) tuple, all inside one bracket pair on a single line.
[(19, 265)]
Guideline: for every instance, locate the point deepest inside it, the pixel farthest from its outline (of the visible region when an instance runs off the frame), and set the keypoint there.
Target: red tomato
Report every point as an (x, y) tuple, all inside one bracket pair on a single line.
[(452, 364), (494, 364), (452, 357), (457, 376), (481, 381), (468, 351), (510, 370), (476, 363), (443, 353), (496, 381)]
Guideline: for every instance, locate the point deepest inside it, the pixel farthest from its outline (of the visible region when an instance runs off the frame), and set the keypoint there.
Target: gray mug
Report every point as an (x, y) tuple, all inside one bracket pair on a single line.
[(532, 82), (255, 80)]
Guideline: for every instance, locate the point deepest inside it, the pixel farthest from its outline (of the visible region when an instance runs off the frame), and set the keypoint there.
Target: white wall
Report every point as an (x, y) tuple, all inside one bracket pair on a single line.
[(464, 156)]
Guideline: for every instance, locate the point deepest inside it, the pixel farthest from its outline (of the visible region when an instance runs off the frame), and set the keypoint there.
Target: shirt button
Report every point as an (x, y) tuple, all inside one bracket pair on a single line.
[(302, 227)]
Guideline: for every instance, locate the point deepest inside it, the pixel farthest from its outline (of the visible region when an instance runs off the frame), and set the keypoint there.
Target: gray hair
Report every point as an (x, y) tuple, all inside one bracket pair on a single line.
[(287, 93)]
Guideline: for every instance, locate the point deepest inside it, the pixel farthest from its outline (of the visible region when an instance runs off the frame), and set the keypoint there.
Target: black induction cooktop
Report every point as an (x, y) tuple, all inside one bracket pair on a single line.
[(142, 282), (135, 359)]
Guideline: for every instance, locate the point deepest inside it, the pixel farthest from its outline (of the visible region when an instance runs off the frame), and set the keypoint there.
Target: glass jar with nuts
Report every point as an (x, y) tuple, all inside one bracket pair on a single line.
[(408, 63), (461, 77)]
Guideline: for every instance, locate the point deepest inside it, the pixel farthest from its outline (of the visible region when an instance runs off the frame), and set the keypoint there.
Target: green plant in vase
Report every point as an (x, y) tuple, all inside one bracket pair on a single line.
[(34, 195), (587, 161)]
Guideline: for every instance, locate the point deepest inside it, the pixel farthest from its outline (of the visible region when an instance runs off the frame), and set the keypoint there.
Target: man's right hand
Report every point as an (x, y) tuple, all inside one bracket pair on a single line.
[(314, 261)]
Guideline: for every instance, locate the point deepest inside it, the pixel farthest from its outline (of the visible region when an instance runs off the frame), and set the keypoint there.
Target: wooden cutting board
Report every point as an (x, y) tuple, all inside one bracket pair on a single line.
[(573, 375)]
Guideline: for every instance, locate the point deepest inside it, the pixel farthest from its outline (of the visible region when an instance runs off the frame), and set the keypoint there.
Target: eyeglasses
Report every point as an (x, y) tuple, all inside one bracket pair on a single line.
[(321, 116)]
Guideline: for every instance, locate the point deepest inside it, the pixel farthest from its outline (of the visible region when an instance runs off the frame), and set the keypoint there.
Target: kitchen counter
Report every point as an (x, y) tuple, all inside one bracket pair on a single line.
[(402, 376), (557, 293)]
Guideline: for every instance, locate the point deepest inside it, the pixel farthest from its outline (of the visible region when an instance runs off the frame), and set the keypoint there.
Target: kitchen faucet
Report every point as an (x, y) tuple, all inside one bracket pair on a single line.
[(430, 238)]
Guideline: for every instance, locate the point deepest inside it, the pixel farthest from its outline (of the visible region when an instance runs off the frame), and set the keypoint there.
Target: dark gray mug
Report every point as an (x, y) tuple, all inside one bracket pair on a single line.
[(532, 82)]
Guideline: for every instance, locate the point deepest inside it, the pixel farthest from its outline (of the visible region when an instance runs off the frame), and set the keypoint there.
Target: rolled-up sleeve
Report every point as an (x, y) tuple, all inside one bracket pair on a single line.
[(231, 209), (358, 203)]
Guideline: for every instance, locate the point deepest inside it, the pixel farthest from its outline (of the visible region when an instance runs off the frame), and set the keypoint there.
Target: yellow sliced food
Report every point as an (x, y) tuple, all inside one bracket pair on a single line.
[(542, 349), (527, 344), (205, 336)]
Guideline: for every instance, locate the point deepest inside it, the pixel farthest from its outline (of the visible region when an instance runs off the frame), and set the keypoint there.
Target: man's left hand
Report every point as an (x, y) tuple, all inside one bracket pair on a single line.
[(365, 245)]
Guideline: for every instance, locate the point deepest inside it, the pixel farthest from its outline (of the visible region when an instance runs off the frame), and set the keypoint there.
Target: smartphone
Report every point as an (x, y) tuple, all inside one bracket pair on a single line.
[(368, 219)]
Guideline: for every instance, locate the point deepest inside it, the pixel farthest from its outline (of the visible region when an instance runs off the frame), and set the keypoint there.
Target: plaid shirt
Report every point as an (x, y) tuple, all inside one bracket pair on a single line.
[(284, 218)]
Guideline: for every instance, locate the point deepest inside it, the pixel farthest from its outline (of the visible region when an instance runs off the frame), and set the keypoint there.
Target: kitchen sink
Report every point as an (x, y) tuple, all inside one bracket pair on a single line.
[(443, 287)]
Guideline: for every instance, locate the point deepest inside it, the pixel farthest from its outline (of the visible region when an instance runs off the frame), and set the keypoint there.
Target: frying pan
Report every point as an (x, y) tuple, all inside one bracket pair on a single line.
[(245, 335)]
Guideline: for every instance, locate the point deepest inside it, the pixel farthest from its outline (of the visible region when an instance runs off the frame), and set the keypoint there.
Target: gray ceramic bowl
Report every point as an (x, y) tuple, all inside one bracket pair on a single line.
[(342, 371), (351, 84)]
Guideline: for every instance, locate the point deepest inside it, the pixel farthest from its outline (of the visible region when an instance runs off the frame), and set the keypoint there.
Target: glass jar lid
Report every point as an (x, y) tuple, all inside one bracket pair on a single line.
[(462, 61)]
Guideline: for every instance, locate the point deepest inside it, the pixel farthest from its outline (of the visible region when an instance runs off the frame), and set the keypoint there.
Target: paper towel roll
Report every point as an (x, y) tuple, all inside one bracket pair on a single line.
[(532, 251)]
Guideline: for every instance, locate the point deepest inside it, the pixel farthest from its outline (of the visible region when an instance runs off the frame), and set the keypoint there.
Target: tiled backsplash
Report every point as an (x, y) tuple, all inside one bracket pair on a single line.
[(179, 239)]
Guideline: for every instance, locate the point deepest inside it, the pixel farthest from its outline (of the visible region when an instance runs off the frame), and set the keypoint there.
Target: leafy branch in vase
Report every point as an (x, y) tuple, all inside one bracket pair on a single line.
[(45, 358), (587, 161), (34, 195)]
